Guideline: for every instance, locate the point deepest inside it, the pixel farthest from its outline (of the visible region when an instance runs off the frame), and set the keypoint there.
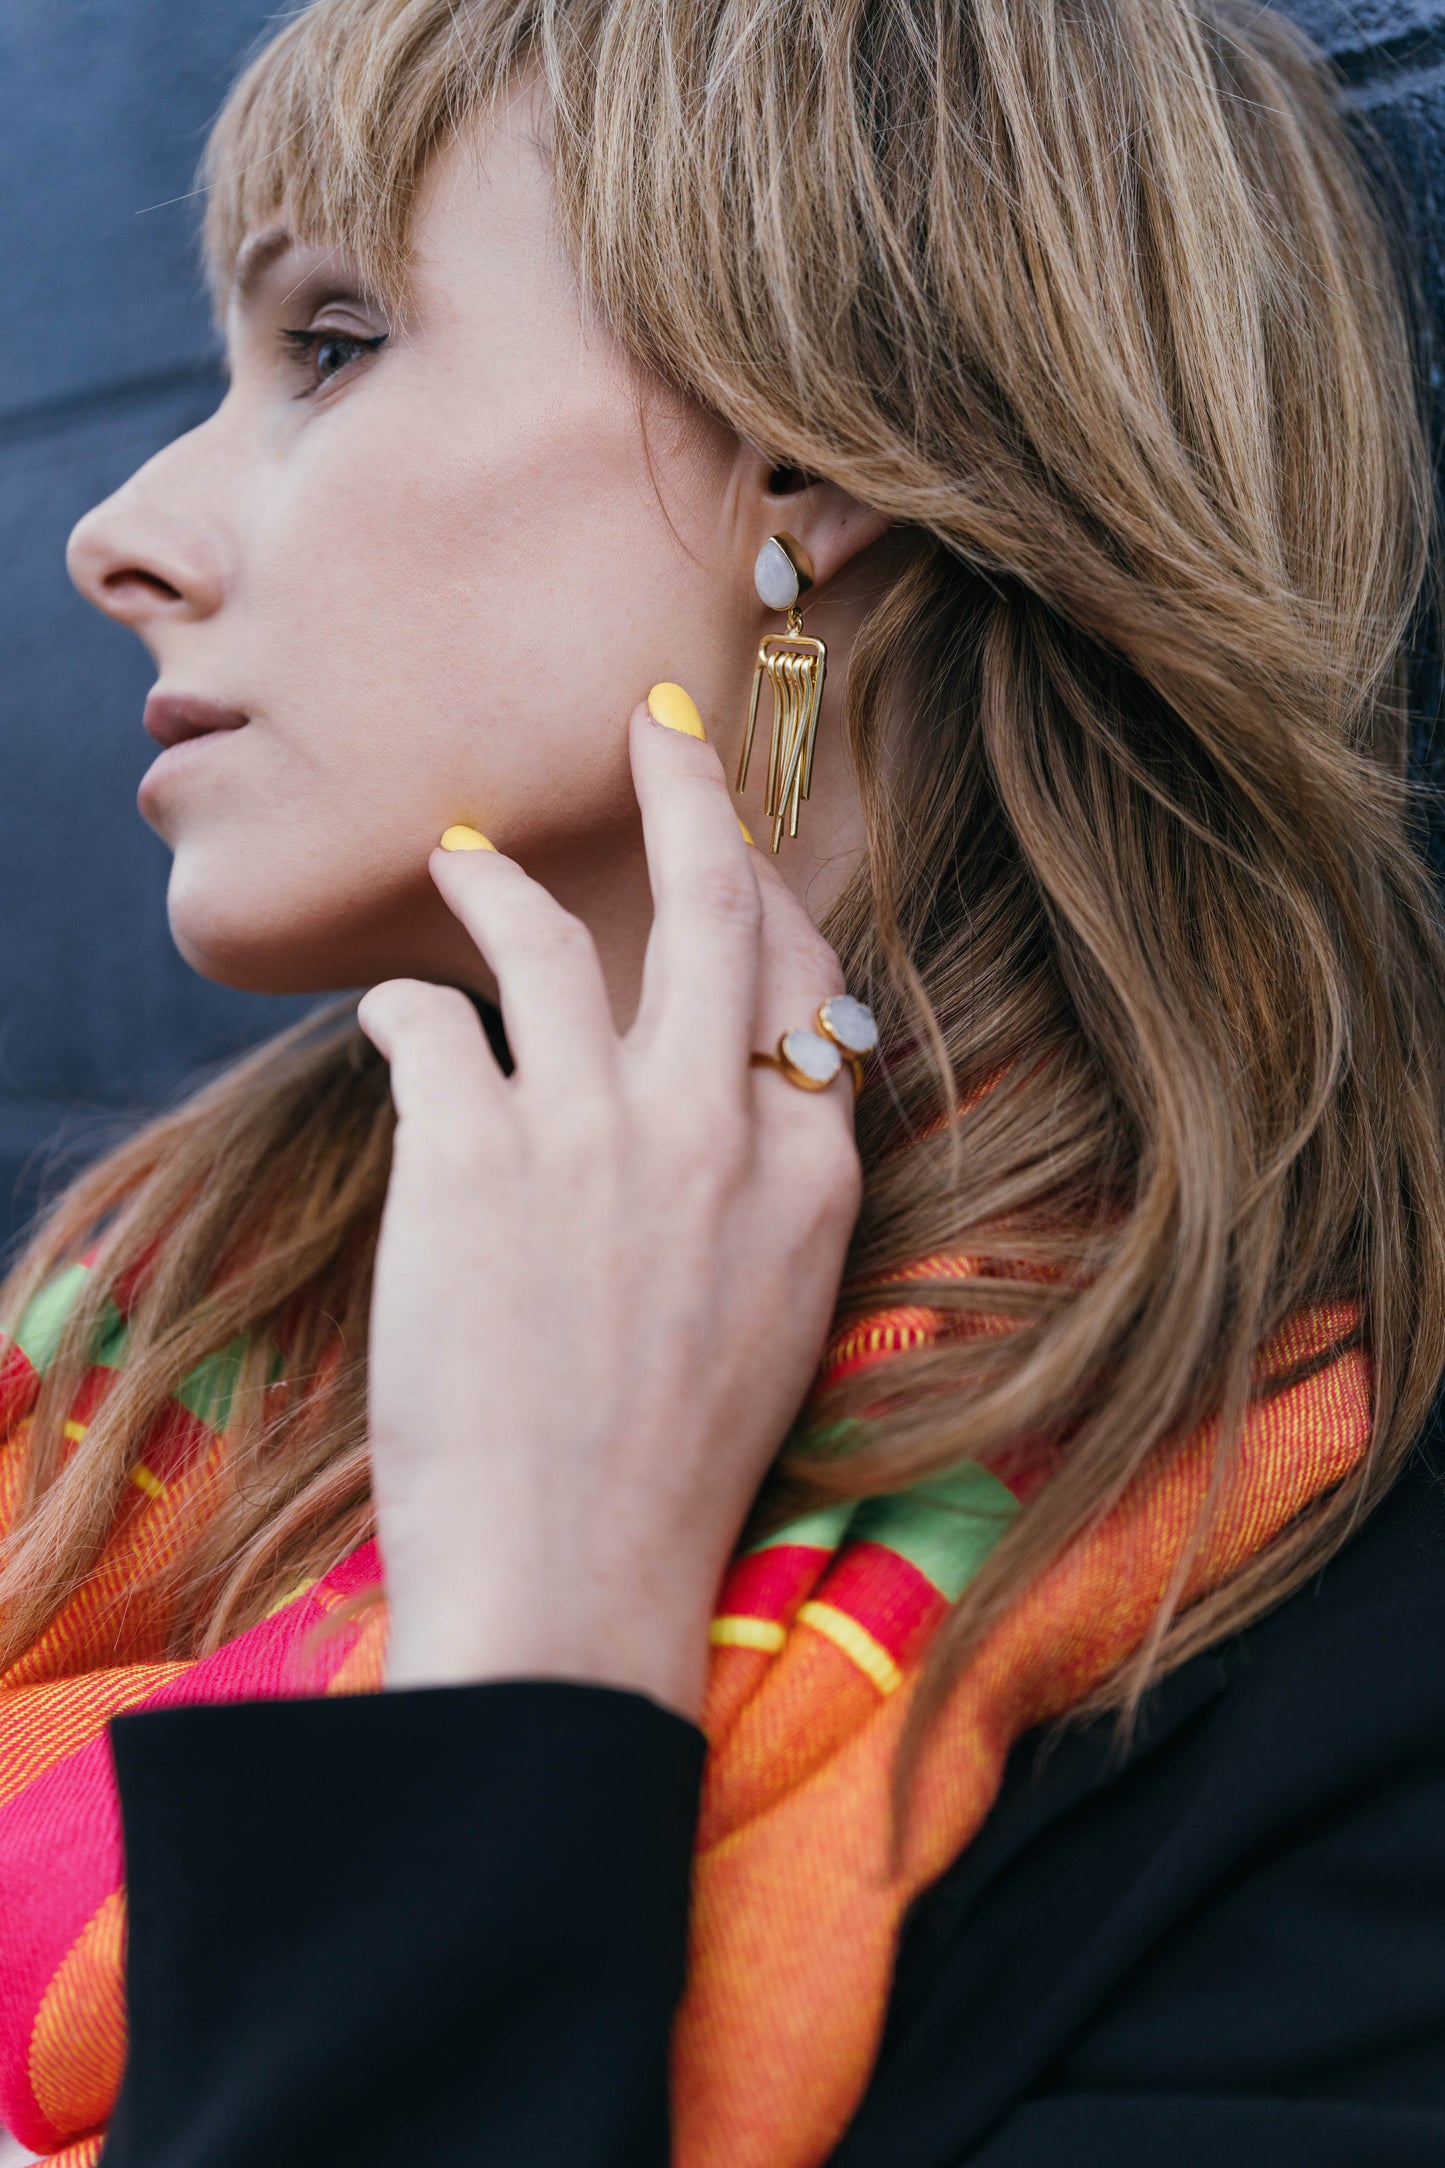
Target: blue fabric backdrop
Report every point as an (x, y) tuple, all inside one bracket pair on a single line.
[(105, 353)]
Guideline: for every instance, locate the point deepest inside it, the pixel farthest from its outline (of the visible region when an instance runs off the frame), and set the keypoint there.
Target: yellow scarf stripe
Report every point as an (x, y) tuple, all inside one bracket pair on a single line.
[(747, 1633), (872, 1659)]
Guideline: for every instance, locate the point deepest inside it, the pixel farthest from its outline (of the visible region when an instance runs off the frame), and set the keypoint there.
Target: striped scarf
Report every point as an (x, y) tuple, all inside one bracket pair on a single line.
[(818, 1640)]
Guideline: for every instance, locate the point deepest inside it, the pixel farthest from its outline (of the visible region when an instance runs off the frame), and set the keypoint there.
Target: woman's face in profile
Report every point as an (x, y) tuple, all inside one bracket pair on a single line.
[(428, 569)]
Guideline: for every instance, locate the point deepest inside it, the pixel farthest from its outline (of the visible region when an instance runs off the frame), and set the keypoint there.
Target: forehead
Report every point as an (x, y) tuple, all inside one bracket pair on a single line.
[(327, 163), (338, 113), (487, 195), (481, 201)]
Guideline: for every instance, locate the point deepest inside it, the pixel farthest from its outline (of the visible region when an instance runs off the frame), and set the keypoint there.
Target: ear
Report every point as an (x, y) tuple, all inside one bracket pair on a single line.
[(833, 527)]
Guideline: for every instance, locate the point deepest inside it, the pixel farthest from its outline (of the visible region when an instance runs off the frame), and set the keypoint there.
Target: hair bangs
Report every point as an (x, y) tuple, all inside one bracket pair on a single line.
[(329, 127)]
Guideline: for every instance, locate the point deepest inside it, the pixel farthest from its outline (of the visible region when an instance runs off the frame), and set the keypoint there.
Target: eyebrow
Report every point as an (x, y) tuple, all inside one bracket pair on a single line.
[(255, 258)]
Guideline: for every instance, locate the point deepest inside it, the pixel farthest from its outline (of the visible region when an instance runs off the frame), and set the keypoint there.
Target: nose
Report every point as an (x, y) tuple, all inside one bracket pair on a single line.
[(150, 554)]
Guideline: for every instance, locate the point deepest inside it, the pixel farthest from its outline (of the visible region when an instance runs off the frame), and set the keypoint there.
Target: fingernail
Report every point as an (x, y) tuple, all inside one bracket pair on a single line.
[(675, 710), (462, 838), (747, 832)]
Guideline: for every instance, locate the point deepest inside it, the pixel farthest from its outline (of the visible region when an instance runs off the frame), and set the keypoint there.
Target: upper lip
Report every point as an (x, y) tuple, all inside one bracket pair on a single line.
[(170, 717)]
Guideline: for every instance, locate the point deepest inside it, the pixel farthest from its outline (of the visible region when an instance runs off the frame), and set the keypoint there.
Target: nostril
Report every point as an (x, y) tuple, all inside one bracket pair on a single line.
[(131, 585)]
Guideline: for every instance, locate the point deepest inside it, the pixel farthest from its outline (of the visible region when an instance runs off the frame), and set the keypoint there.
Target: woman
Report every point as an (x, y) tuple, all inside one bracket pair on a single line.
[(1042, 367)]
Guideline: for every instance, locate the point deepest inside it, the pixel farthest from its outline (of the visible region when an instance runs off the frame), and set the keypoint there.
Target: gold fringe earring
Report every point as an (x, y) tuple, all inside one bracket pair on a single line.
[(794, 666)]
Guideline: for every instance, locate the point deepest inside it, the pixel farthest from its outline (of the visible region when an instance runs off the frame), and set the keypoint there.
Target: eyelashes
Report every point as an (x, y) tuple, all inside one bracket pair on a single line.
[(313, 350)]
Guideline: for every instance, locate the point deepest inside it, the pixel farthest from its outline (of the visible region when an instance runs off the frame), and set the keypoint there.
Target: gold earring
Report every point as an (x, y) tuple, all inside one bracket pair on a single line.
[(794, 666)]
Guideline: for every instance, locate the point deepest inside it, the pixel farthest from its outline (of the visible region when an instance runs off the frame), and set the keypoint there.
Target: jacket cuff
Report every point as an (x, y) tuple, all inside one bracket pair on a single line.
[(447, 1923)]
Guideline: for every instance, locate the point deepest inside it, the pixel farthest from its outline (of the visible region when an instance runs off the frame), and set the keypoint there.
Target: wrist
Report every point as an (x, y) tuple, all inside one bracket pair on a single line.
[(652, 1650)]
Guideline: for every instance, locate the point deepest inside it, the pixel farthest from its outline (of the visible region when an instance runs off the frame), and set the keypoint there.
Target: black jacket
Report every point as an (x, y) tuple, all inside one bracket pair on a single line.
[(447, 1927)]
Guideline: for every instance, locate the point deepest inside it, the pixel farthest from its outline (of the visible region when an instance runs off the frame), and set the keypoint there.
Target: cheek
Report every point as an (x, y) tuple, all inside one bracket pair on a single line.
[(460, 633), (427, 629)]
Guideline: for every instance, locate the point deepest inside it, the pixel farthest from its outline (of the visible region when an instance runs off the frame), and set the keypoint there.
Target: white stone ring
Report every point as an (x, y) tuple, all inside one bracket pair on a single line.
[(845, 1032)]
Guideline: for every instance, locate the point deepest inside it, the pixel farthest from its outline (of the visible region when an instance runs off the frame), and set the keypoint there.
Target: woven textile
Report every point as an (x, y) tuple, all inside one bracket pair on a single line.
[(817, 1644)]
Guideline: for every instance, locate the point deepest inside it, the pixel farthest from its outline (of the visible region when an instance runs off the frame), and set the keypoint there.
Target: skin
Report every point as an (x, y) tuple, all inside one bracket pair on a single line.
[(437, 579)]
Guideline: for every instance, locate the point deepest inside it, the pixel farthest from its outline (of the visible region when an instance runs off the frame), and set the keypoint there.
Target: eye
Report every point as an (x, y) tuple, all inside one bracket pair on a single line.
[(323, 354)]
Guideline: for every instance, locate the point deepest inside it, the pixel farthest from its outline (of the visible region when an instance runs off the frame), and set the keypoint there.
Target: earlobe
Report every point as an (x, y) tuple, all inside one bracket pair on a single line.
[(830, 526)]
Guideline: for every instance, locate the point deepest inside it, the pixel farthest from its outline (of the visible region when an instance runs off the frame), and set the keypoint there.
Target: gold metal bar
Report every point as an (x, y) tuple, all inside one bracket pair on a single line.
[(793, 665), (789, 741), (752, 719), (770, 803), (793, 744), (783, 720), (815, 703)]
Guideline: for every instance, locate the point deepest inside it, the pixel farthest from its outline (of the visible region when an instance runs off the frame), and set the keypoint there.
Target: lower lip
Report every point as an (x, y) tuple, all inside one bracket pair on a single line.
[(173, 758)]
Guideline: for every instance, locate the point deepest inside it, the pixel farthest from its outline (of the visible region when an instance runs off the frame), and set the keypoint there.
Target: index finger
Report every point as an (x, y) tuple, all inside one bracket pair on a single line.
[(700, 975)]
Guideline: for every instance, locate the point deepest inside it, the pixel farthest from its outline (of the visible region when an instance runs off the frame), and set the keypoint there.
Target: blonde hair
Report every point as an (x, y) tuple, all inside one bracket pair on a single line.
[(1093, 304)]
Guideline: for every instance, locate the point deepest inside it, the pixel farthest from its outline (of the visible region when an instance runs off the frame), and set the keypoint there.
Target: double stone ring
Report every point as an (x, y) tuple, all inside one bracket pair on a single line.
[(845, 1032)]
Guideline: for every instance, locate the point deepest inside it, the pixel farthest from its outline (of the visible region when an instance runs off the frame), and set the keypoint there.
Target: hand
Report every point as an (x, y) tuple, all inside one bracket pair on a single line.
[(603, 1284)]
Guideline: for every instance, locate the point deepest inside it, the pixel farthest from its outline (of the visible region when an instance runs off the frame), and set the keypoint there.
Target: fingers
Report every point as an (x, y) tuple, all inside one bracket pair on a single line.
[(701, 972), (798, 970), (442, 1069), (554, 1001), (734, 960), (797, 973)]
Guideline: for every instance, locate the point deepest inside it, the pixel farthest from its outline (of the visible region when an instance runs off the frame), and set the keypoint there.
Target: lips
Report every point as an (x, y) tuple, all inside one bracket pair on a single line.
[(171, 718)]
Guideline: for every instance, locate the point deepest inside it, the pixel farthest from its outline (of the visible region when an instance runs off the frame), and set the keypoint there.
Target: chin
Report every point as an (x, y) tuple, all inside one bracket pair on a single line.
[(251, 965), (316, 928), (245, 940)]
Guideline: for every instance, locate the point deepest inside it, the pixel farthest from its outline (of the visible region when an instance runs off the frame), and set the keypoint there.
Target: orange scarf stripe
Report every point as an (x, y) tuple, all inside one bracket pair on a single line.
[(44, 1724)]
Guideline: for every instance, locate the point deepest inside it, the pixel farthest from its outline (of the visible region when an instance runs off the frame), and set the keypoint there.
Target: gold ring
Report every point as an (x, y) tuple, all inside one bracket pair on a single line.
[(811, 1059)]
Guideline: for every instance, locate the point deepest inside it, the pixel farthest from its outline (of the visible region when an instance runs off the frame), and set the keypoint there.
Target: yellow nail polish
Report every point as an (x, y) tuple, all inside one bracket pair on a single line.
[(462, 838), (675, 710), (747, 832)]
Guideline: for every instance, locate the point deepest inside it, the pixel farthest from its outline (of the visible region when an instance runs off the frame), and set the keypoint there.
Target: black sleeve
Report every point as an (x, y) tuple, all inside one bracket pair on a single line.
[(1286, 2005), (1183, 2130), (444, 1926)]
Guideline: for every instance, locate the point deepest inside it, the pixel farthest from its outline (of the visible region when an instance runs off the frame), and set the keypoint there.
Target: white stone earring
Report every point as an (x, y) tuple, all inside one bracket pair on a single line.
[(794, 665)]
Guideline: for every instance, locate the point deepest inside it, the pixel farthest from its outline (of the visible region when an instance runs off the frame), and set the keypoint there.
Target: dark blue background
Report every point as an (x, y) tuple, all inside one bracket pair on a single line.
[(105, 353)]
